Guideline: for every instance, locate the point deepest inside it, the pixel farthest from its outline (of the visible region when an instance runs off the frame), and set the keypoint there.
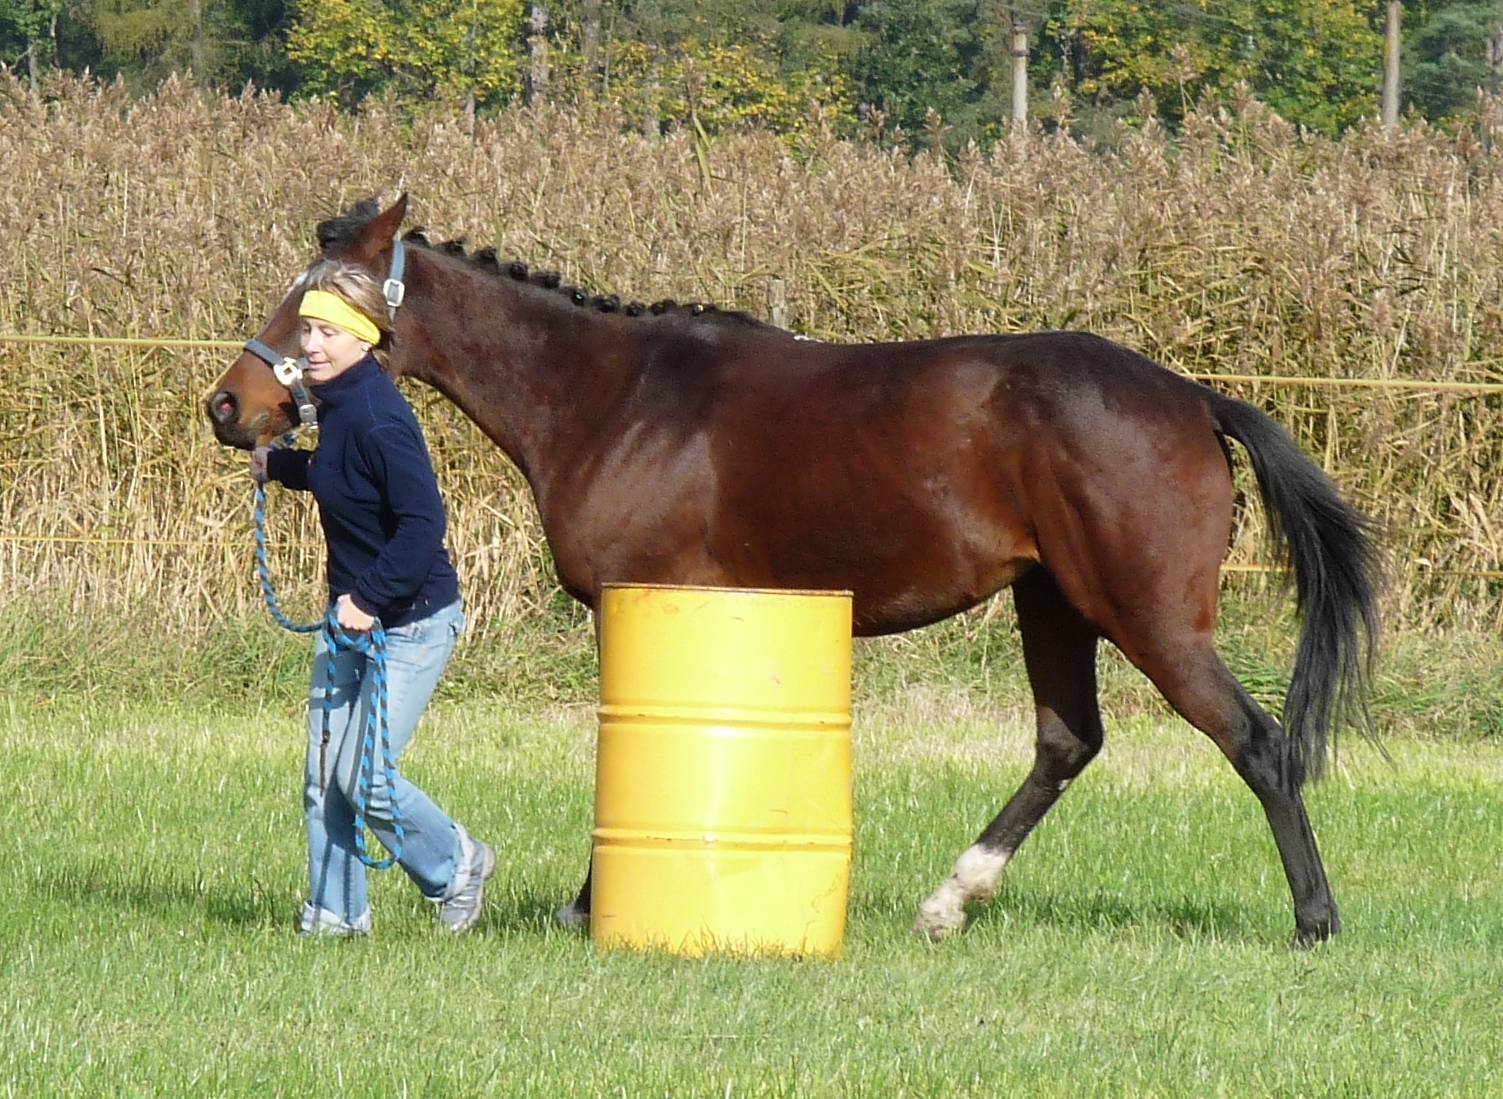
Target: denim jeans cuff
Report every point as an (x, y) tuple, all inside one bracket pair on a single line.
[(320, 921)]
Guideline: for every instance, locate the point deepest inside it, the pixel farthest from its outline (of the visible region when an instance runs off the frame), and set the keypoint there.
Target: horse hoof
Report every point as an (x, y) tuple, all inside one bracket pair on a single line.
[(937, 921), (1315, 932), (571, 917), (1309, 939)]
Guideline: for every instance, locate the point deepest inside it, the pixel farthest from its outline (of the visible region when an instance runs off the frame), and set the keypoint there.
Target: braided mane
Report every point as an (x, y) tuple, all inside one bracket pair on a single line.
[(345, 228)]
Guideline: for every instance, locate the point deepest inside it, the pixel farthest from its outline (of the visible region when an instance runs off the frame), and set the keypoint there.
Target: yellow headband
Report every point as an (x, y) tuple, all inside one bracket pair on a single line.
[(320, 305)]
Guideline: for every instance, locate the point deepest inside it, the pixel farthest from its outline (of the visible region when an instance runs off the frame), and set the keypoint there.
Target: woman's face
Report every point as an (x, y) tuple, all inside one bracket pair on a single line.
[(330, 350)]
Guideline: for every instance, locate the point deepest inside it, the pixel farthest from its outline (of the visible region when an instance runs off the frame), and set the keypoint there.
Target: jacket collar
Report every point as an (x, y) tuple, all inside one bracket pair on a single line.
[(341, 388)]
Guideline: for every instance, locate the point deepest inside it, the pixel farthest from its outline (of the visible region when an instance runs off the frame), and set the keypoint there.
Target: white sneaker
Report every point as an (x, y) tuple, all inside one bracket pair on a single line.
[(462, 907)]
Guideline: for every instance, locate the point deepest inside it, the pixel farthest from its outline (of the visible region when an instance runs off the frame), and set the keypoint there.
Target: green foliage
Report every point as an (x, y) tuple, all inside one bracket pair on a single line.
[(723, 86), (921, 62), (450, 49), (25, 30), (27, 20), (713, 66), (1315, 61), (1446, 60), (132, 29), (933, 69), (223, 42)]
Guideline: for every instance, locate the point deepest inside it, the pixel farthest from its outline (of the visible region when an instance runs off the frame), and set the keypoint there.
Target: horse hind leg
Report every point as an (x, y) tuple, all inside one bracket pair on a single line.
[(1059, 650), (1164, 622), (1203, 690)]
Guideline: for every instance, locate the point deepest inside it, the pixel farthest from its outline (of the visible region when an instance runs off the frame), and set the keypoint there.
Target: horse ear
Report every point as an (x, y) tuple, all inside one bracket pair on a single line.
[(378, 234)]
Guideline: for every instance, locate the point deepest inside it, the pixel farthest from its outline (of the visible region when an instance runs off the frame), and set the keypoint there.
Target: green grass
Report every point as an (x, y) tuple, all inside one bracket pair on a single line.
[(1137, 946), (1429, 684)]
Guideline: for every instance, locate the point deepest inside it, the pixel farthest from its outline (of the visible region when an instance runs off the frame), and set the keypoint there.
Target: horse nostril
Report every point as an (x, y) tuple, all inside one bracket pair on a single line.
[(223, 407)]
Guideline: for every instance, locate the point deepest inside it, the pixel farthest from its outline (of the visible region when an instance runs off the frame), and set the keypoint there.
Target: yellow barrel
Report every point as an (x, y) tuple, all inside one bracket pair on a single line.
[(723, 776)]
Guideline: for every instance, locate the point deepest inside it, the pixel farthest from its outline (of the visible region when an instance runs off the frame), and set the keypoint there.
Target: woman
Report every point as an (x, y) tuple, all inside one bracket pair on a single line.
[(384, 522)]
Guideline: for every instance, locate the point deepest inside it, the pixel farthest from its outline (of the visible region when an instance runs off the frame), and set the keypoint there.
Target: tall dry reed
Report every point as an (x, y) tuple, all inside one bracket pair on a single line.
[(1239, 247)]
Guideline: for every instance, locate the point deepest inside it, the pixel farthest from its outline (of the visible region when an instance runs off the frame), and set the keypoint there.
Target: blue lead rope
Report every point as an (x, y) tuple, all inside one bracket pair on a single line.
[(372, 645), (264, 571)]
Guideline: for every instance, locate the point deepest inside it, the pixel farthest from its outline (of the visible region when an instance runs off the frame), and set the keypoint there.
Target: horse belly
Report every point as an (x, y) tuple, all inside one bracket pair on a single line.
[(927, 591)]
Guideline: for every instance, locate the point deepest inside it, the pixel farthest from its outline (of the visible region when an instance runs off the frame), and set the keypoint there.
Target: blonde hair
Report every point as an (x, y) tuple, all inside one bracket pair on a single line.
[(359, 289)]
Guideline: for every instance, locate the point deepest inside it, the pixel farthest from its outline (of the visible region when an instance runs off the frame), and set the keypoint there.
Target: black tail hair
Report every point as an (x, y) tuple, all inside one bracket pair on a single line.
[(1331, 549)]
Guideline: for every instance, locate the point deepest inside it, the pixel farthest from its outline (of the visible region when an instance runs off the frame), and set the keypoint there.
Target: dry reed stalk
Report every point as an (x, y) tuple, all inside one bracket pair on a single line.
[(1241, 248)]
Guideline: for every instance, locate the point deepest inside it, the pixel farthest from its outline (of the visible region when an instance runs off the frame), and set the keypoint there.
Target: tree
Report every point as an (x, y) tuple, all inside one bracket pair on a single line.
[(151, 37), (1452, 51), (256, 52), (920, 63), (420, 48), (1315, 61), (223, 42), (714, 64), (31, 25)]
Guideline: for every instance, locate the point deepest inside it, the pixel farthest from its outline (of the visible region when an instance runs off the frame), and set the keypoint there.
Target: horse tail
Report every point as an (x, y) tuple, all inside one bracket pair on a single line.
[(1331, 549)]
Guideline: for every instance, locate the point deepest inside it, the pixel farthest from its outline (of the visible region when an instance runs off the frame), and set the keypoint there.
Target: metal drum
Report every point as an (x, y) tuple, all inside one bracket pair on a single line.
[(723, 778)]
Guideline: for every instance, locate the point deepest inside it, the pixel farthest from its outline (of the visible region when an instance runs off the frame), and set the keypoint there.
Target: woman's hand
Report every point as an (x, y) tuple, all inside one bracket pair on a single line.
[(350, 616), (258, 463)]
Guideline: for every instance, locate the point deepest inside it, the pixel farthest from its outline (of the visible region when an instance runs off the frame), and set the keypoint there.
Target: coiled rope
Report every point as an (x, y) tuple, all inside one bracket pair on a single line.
[(372, 645)]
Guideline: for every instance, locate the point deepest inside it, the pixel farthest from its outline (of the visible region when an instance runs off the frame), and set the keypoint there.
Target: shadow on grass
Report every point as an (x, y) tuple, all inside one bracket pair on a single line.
[(1190, 918), (509, 908), (523, 910), (120, 886), (1194, 919), (525, 913)]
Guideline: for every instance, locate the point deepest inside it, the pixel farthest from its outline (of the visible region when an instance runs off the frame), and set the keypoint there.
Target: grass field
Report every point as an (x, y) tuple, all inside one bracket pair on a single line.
[(1137, 946)]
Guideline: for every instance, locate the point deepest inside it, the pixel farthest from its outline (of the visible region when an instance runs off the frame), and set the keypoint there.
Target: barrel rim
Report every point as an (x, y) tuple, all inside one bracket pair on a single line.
[(614, 585)]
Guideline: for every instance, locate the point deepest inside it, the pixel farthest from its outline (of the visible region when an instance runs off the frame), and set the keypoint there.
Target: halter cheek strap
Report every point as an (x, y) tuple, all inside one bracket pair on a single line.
[(394, 289), (289, 372)]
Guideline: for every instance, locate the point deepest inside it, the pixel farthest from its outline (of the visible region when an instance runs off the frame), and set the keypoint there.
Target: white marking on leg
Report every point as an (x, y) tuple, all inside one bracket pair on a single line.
[(570, 916), (974, 878)]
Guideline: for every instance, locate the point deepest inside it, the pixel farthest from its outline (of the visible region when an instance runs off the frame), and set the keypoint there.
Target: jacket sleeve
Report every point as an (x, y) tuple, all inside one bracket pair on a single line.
[(402, 471), (289, 468)]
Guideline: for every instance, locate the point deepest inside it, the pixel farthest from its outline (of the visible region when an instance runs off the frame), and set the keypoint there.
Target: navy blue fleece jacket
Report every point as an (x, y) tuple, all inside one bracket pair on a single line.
[(378, 499)]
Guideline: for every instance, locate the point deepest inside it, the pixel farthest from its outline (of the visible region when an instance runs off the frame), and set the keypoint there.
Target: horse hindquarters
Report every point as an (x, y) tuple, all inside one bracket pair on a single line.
[(1164, 624), (1134, 544)]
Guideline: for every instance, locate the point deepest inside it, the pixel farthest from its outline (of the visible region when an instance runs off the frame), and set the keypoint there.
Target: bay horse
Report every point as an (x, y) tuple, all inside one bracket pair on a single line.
[(685, 445)]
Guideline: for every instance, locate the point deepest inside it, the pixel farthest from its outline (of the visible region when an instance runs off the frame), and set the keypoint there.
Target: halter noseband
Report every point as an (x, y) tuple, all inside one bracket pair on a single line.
[(289, 371)]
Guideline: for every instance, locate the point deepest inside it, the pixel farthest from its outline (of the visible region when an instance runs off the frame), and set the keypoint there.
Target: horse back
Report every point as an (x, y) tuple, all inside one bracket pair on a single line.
[(915, 475)]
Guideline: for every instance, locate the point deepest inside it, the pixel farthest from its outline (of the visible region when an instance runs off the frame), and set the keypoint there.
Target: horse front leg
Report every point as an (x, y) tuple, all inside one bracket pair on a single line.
[(577, 914), (1059, 650)]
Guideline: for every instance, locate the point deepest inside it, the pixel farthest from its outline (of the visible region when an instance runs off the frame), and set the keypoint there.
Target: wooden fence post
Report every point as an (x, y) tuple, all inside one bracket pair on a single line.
[(537, 47), (1019, 76), (1391, 40), (777, 301)]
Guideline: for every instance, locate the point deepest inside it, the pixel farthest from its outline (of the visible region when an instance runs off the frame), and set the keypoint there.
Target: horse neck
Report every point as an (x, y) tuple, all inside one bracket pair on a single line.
[(534, 371)]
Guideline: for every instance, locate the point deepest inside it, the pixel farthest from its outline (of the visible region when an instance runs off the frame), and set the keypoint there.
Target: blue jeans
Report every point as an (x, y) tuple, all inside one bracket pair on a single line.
[(416, 655)]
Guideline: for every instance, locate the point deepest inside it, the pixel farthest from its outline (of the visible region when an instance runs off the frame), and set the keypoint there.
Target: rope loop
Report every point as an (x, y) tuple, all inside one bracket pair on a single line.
[(263, 570)]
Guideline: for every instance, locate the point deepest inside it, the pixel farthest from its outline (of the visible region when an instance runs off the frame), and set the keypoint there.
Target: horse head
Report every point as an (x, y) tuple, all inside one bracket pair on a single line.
[(249, 406)]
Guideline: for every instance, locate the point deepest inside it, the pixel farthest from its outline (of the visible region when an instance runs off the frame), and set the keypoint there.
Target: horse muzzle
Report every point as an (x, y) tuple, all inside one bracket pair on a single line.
[(223, 410)]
